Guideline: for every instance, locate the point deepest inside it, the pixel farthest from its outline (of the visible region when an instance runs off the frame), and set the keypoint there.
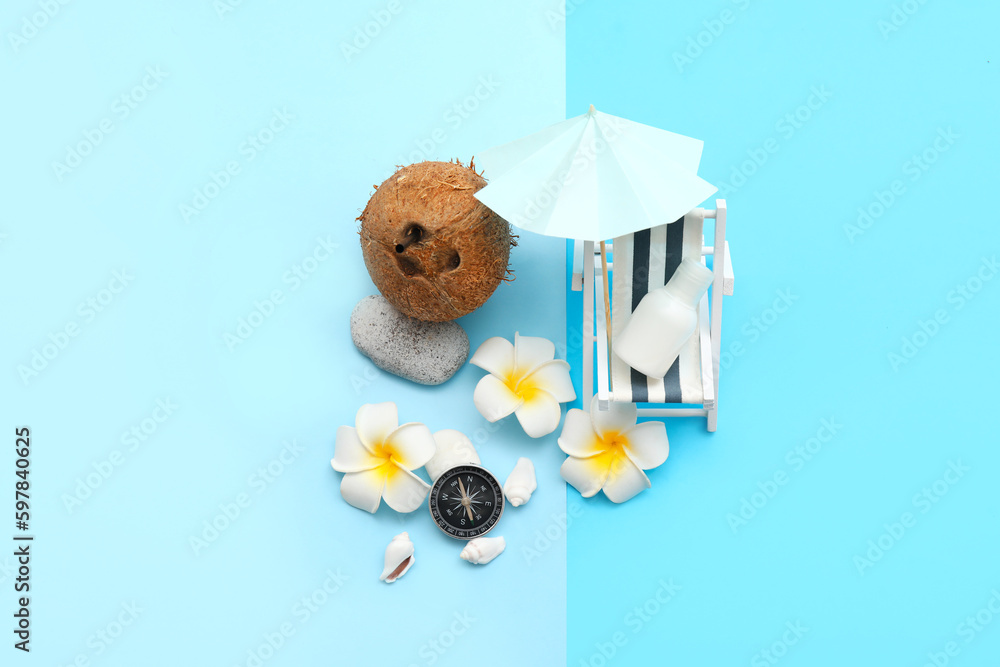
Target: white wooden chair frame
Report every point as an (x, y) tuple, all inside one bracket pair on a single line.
[(588, 270)]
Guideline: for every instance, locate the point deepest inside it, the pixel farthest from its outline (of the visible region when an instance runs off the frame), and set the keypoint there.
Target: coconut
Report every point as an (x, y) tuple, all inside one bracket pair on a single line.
[(434, 251)]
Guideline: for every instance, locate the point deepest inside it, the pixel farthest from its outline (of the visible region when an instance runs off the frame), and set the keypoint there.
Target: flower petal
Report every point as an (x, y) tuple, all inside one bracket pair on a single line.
[(530, 352), (364, 489), (578, 438), (587, 475), (495, 355), (553, 377), (494, 399), (647, 444), (411, 445), (618, 418), (375, 421), (539, 414), (625, 480), (404, 491), (349, 455)]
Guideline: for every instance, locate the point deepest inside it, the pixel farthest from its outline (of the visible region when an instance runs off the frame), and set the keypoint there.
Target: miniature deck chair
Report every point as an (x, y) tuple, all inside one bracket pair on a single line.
[(644, 261)]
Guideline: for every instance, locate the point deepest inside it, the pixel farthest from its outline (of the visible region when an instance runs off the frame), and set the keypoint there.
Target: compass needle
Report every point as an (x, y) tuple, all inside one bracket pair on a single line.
[(466, 501)]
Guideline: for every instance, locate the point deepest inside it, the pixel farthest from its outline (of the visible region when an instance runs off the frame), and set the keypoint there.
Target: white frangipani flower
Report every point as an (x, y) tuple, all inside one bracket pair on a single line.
[(525, 379), (608, 451), (377, 458)]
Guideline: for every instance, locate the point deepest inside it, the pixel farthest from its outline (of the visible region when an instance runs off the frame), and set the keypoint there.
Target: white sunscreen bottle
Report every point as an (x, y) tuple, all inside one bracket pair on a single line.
[(663, 321)]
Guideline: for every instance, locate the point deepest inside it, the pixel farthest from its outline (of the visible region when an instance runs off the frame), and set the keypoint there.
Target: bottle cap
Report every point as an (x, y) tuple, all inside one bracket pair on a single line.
[(690, 280)]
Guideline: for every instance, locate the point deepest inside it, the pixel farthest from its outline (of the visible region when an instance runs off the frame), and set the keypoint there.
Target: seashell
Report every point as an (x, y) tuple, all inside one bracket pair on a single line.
[(398, 558), (482, 550), (453, 449), (520, 483)]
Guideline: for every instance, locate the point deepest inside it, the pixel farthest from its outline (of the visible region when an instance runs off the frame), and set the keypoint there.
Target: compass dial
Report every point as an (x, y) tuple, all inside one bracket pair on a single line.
[(466, 501)]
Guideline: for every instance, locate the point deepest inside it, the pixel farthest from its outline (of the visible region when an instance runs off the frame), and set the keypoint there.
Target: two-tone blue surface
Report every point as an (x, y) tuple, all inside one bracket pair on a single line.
[(844, 513), (810, 112)]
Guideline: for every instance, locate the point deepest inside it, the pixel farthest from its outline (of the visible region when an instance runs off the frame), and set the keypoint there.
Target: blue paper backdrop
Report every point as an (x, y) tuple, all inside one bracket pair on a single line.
[(811, 112)]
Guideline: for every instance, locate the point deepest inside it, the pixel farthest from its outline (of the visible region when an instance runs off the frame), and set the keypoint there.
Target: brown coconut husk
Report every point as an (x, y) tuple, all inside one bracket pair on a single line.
[(434, 251)]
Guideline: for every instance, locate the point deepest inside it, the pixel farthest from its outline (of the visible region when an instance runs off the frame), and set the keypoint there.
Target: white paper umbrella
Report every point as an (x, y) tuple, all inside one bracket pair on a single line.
[(594, 177)]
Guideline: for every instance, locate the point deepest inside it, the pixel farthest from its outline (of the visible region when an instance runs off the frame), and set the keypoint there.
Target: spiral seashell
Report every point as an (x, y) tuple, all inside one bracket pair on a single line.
[(520, 483), (482, 550), (398, 558)]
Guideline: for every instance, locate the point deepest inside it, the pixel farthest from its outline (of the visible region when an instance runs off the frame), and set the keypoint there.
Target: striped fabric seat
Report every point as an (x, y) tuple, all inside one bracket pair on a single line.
[(644, 261)]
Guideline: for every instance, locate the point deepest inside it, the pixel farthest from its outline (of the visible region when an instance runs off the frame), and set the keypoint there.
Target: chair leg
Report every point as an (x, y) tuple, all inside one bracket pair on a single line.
[(588, 324), (713, 416)]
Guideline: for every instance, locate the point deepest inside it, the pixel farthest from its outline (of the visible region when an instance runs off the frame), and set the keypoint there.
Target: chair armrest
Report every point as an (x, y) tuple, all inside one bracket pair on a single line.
[(707, 368), (728, 280)]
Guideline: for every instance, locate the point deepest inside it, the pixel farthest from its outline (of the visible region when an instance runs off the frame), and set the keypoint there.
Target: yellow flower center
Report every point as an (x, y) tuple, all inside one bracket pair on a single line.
[(615, 441), (613, 458), (523, 387), (388, 468), (382, 451)]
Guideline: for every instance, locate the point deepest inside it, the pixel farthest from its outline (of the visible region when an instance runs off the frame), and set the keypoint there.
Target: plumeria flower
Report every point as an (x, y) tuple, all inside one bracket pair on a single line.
[(377, 458), (526, 379), (608, 450)]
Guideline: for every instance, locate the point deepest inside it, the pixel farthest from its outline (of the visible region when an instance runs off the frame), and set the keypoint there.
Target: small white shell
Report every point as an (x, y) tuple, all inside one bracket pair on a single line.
[(398, 558), (453, 449), (482, 550), (520, 483)]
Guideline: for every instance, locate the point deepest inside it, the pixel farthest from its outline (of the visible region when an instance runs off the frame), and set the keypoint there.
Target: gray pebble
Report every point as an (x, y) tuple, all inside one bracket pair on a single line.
[(424, 352)]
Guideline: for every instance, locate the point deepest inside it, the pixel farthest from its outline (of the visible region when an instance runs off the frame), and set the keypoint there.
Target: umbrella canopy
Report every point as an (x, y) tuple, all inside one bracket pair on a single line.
[(594, 177)]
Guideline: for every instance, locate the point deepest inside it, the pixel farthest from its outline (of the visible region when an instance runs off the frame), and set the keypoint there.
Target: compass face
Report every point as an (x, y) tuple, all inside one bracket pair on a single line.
[(466, 501)]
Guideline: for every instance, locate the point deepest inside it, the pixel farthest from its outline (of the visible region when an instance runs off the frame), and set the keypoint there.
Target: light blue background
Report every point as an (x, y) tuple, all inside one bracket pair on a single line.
[(297, 377), (826, 357)]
